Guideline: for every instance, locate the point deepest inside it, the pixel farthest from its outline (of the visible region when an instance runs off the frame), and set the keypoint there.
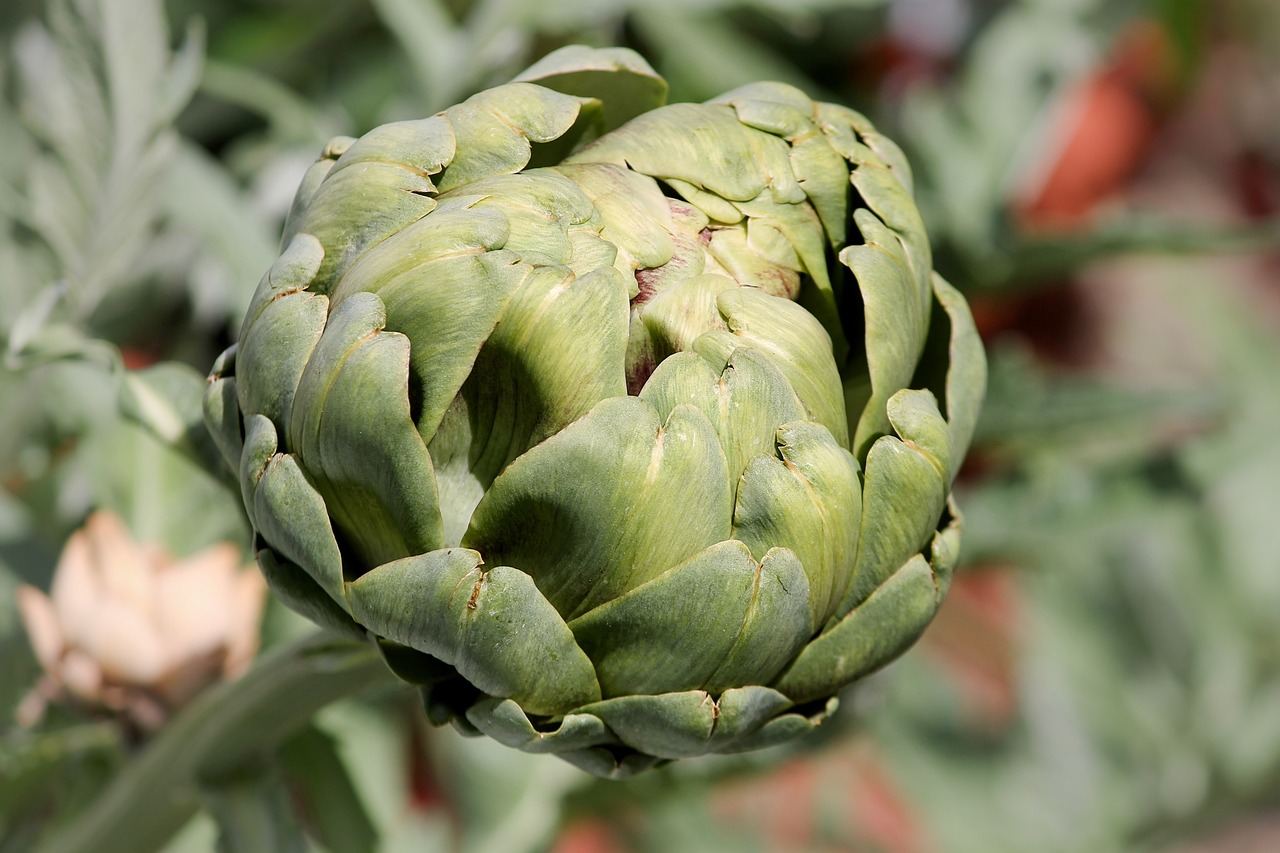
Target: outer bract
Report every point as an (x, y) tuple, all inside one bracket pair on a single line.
[(626, 430)]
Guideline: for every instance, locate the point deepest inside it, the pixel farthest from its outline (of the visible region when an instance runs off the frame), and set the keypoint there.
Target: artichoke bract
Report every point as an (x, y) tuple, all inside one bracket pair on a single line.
[(626, 430)]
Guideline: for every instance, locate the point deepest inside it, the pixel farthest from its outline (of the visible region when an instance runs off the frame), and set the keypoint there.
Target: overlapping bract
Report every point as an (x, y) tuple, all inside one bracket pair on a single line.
[(625, 429)]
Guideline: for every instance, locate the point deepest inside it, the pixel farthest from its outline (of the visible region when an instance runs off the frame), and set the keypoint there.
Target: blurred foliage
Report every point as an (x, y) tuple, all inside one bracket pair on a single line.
[(1149, 653), (1106, 674)]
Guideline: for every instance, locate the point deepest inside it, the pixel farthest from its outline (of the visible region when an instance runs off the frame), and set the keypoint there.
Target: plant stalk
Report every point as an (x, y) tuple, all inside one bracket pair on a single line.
[(158, 791)]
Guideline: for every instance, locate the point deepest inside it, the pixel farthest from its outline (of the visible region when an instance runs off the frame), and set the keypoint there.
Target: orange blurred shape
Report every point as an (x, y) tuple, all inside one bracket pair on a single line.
[(781, 807), (1101, 132), (882, 814), (974, 639), (842, 800), (136, 358), (588, 836)]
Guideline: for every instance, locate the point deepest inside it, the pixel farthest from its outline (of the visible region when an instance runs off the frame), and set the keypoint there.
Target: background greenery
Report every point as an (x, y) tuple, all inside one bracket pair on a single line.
[(1101, 178)]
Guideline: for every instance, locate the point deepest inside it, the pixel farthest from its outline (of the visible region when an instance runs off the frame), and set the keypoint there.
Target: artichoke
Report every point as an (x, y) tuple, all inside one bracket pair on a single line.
[(626, 430)]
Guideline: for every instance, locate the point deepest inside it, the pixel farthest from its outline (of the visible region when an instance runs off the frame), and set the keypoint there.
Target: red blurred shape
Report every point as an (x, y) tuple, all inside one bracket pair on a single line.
[(841, 800), (974, 639), (1103, 131), (588, 836), (135, 358), (1259, 187)]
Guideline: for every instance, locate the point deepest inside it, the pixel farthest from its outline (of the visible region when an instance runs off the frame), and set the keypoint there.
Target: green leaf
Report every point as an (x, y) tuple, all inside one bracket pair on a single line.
[(300, 591), (378, 485), (184, 72), (896, 321), (506, 722), (746, 402), (607, 764), (383, 197), (489, 625), (445, 293), (639, 229), (966, 374), (314, 772), (433, 43), (703, 54), (163, 495), (1029, 409), (792, 340), (1021, 262), (666, 144), (134, 45), (870, 635), (35, 766), (253, 812), (62, 93), (279, 336), (807, 499), (102, 88), (286, 509), (202, 199), (719, 620), (587, 513), (906, 482), (619, 78), (558, 351), (292, 118), (742, 713), (156, 793), (34, 318), (167, 399), (668, 725), (496, 130), (221, 410)]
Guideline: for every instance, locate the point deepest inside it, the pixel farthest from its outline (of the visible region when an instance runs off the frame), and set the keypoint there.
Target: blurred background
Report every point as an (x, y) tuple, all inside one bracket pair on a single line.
[(1100, 177)]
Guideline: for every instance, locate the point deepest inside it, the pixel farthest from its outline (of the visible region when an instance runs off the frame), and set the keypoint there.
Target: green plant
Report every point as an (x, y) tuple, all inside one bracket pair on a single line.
[(680, 378)]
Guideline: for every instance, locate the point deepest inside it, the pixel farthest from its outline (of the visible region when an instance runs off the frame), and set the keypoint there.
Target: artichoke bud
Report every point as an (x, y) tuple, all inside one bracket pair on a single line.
[(602, 416)]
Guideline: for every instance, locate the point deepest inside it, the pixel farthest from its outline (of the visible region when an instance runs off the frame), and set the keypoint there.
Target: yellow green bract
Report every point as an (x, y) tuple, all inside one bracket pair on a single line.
[(626, 430)]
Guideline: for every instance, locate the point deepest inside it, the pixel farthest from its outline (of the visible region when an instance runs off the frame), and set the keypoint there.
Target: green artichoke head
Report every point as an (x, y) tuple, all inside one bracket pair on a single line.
[(625, 430)]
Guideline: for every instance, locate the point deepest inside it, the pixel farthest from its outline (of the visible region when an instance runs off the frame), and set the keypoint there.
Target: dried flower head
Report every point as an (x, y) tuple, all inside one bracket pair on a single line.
[(130, 629)]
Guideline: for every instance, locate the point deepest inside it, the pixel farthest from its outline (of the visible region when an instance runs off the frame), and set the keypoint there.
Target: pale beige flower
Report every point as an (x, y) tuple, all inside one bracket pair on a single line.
[(129, 628)]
